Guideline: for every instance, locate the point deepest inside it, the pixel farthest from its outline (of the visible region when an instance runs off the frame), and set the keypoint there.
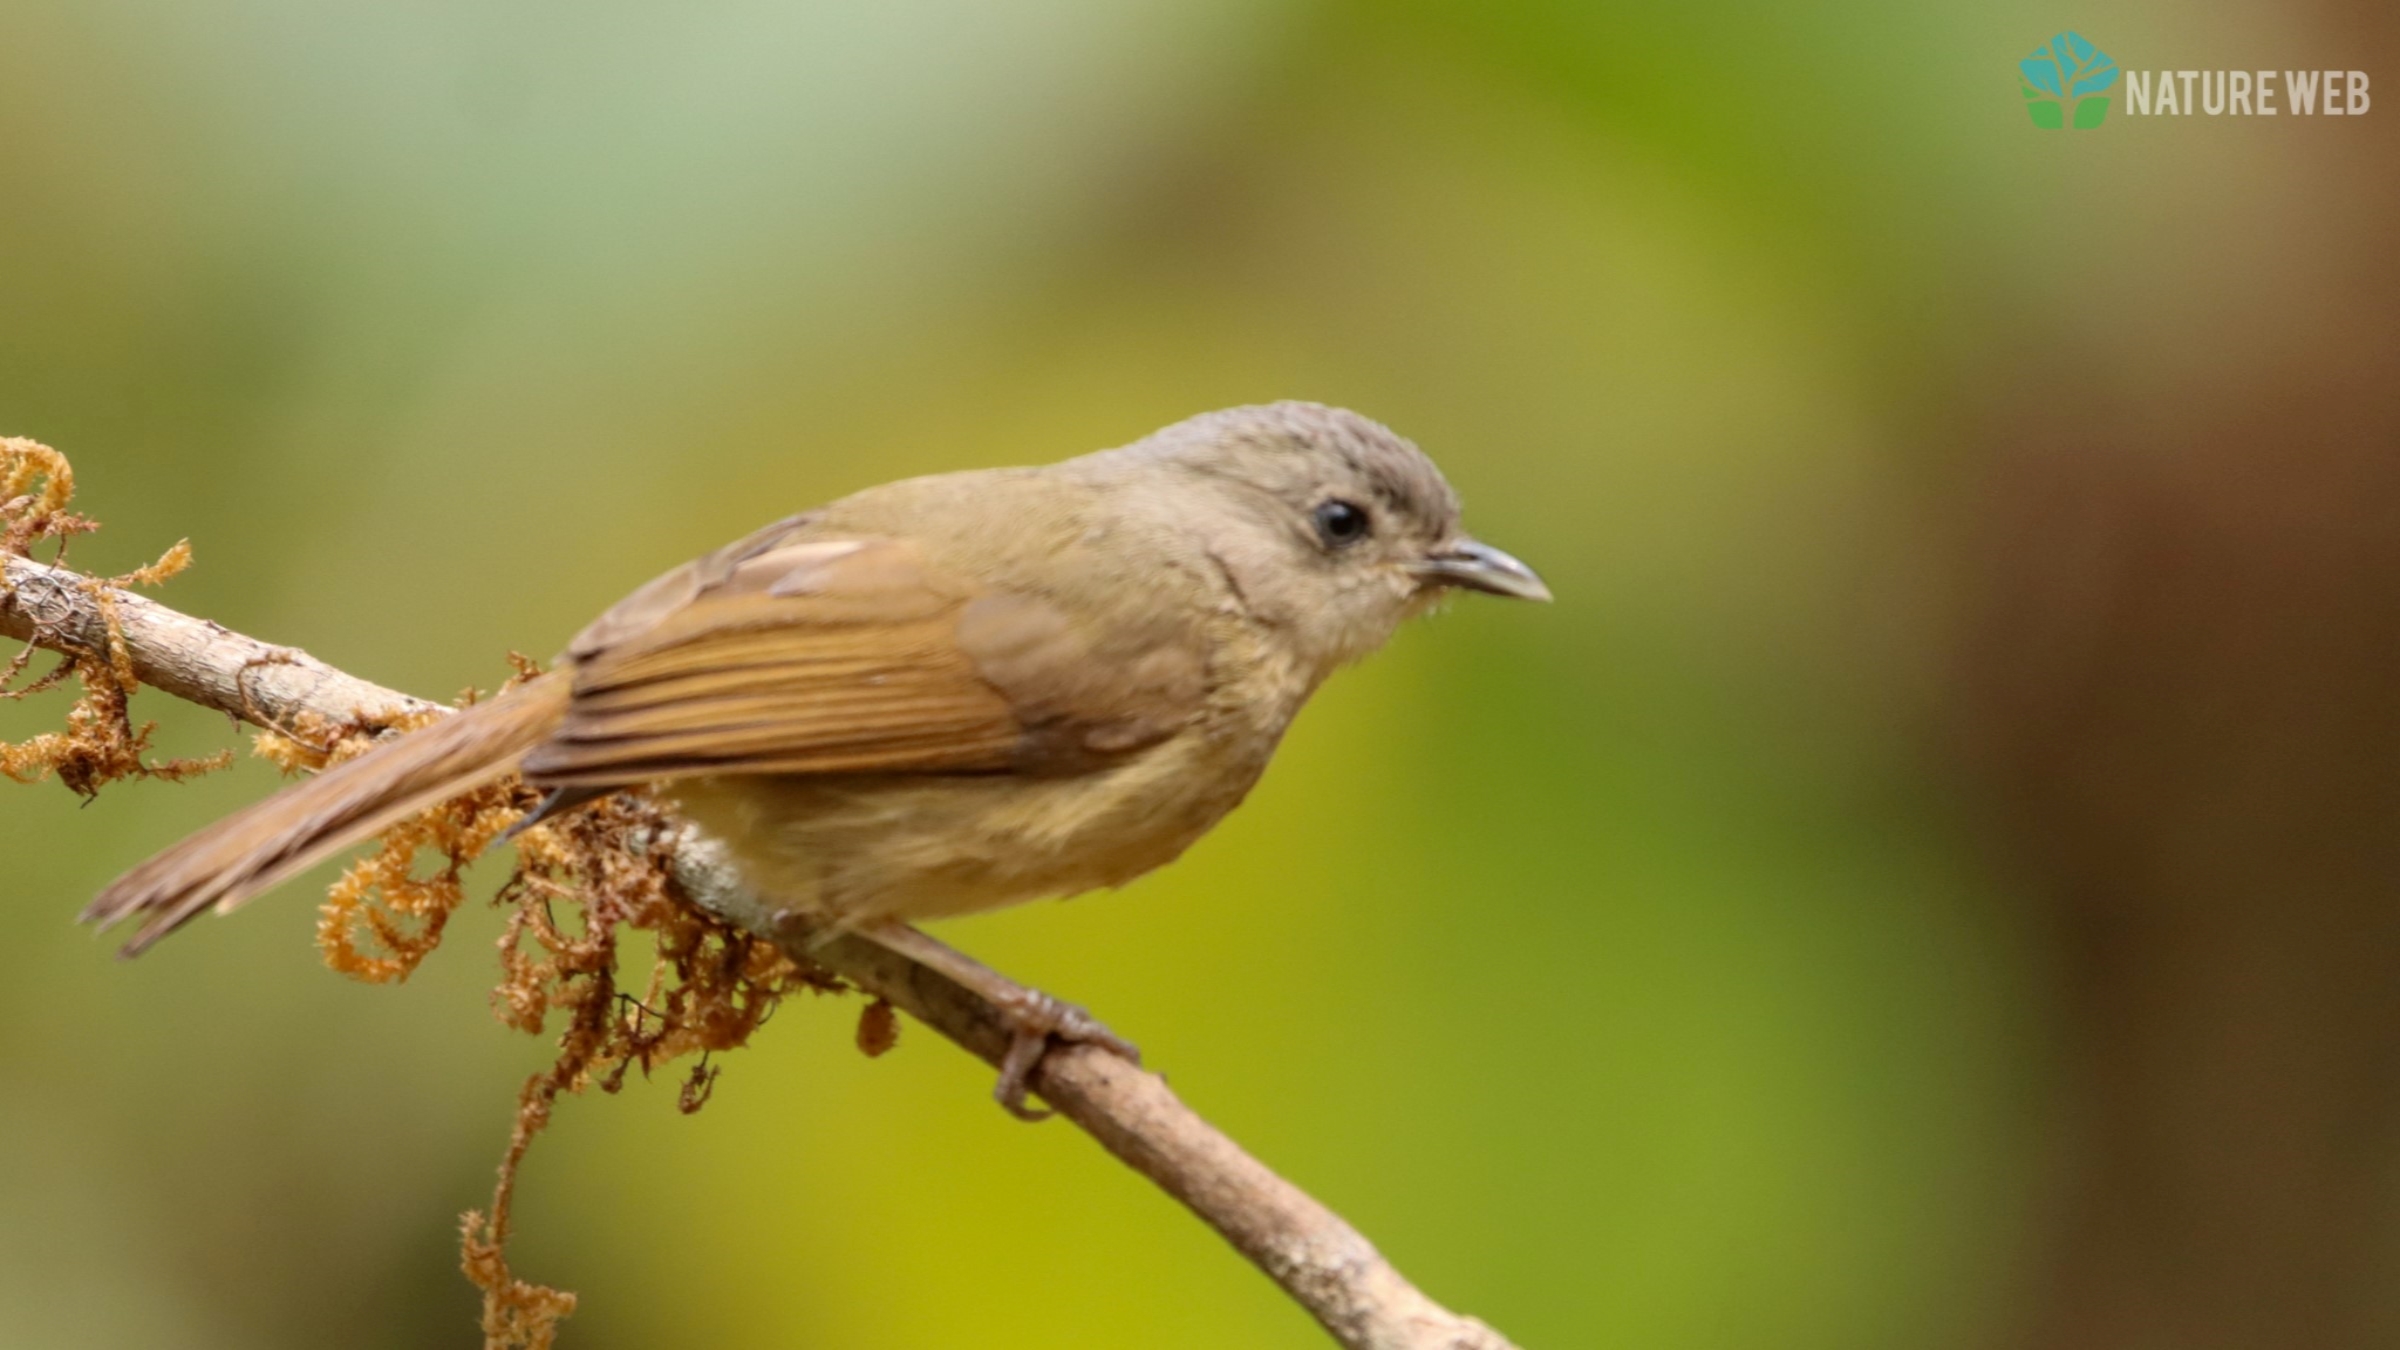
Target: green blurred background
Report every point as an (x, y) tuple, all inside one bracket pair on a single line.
[(1925, 882)]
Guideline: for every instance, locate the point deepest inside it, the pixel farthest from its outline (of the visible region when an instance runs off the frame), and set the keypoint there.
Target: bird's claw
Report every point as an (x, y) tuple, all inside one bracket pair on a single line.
[(1033, 1018)]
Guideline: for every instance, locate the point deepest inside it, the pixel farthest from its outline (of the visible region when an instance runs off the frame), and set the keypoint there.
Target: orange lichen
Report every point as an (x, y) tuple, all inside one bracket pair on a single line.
[(101, 743), (710, 985), (26, 515), (878, 1029), (380, 918), (607, 867), (169, 564), (307, 745)]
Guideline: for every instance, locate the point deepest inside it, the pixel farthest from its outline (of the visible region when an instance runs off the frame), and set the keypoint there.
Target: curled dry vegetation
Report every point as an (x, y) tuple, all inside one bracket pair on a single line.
[(580, 884), (101, 744)]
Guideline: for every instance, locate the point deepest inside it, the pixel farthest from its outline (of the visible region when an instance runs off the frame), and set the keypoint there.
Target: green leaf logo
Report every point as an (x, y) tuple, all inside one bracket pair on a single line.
[(2064, 81)]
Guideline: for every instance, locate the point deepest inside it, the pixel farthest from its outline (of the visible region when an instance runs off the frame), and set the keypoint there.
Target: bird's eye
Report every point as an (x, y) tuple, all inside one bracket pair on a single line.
[(1340, 522)]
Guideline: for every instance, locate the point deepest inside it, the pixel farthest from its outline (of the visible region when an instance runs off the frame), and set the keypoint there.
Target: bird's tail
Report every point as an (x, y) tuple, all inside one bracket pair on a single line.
[(268, 843)]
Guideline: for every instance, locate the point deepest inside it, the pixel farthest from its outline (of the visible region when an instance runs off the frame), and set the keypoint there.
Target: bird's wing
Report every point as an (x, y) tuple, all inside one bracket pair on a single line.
[(792, 652)]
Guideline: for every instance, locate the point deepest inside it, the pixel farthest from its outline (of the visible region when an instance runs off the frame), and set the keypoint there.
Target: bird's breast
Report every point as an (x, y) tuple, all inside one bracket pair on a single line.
[(858, 848)]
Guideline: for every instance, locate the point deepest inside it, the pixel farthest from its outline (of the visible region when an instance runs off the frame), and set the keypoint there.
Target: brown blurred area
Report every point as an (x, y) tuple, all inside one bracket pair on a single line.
[(2180, 681)]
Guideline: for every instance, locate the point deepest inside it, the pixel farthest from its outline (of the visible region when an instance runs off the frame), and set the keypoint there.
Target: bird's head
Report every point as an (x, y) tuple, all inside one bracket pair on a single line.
[(1333, 526)]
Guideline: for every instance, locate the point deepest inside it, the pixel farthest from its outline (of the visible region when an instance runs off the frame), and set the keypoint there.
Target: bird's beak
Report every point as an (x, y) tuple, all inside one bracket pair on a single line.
[(1480, 567)]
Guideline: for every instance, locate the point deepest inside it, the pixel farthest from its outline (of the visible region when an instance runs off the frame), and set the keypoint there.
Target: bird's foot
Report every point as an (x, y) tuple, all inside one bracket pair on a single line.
[(1033, 1019)]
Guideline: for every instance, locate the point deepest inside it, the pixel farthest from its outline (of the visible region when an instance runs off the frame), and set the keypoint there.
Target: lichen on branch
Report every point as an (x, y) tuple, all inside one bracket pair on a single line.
[(101, 744)]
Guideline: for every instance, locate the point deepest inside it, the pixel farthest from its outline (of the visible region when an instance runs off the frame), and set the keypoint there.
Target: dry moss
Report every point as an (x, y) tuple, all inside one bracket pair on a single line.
[(581, 883), (878, 1029), (101, 743)]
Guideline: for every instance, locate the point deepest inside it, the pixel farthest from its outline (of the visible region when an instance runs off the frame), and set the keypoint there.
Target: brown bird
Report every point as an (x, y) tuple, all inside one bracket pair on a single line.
[(944, 694)]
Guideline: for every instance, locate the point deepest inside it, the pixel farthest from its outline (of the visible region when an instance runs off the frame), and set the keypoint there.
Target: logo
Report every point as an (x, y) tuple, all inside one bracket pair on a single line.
[(2065, 80)]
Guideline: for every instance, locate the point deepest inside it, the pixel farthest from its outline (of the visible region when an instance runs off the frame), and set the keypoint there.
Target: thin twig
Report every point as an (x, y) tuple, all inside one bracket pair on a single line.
[(1321, 1261)]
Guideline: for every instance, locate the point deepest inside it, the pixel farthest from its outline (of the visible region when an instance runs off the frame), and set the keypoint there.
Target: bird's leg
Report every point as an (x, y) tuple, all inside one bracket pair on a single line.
[(1032, 1017)]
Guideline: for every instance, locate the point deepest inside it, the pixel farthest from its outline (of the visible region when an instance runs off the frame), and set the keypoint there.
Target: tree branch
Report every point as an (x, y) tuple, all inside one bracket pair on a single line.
[(1321, 1261)]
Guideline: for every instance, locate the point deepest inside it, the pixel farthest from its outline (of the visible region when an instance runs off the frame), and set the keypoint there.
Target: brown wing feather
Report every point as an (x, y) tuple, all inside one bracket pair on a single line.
[(799, 656), (792, 652)]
